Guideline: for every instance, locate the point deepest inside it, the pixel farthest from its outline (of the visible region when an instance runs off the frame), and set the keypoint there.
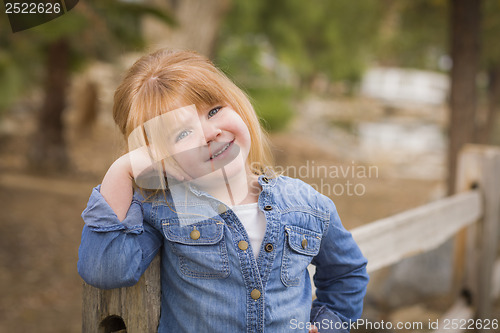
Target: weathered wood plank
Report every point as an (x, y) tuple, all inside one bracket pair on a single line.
[(489, 184), (138, 306), (459, 311), (387, 241), (464, 260)]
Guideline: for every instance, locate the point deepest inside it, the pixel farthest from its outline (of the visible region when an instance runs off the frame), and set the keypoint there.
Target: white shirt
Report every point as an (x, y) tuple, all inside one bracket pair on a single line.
[(254, 222)]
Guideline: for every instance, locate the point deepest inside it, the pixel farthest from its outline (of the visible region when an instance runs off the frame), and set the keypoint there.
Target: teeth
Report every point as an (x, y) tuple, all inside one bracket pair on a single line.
[(220, 151)]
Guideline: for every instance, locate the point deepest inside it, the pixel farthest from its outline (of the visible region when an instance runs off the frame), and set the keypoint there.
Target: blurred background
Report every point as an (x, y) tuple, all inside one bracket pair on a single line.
[(381, 93)]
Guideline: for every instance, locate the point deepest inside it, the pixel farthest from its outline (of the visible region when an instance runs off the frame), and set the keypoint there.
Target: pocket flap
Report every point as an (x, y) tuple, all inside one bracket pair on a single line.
[(303, 241), (205, 233)]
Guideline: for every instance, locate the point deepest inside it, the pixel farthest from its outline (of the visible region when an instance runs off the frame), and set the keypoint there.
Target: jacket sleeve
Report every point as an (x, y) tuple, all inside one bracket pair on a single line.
[(340, 278), (115, 253)]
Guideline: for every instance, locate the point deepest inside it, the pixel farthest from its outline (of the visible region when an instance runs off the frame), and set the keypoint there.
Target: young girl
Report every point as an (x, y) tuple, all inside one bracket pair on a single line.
[(235, 239)]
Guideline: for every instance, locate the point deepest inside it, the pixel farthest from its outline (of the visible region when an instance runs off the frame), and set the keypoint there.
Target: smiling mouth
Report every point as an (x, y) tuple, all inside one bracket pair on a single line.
[(223, 149)]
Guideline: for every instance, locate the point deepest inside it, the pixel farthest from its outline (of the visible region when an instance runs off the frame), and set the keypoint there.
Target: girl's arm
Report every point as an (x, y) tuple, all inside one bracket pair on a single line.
[(340, 278), (117, 245), (116, 187)]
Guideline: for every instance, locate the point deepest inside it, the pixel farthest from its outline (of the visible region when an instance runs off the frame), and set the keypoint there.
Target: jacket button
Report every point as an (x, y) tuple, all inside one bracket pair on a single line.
[(267, 207), (265, 180), (243, 245), (269, 247), (195, 234), (221, 209), (255, 294), (304, 243)]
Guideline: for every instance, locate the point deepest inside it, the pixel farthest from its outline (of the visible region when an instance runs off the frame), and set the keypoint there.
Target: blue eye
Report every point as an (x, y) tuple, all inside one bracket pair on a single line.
[(214, 111), (182, 135)]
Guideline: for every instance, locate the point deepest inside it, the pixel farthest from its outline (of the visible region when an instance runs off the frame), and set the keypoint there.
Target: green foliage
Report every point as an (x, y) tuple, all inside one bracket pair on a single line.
[(19, 59), (94, 30), (272, 106), (11, 83), (65, 26), (273, 48), (316, 36), (418, 33), (490, 30)]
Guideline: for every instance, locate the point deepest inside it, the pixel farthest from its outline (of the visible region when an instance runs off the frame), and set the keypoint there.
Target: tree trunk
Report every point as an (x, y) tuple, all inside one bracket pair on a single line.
[(48, 151), (198, 25), (87, 105), (485, 131), (465, 21)]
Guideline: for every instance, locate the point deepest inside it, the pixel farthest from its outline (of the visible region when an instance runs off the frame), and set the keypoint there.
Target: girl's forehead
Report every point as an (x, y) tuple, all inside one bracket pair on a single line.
[(200, 107), (199, 100)]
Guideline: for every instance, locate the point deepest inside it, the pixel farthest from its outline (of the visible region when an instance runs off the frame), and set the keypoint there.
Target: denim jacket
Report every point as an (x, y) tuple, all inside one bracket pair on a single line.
[(211, 281)]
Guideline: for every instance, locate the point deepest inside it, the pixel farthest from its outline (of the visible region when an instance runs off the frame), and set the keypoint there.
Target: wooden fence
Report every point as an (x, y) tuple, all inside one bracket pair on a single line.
[(471, 216)]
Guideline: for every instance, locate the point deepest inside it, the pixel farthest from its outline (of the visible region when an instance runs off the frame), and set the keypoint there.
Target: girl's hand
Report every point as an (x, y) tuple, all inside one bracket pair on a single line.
[(313, 329), (148, 173), (142, 164)]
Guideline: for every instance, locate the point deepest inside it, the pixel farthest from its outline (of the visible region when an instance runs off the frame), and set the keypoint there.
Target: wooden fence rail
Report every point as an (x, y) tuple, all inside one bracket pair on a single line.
[(472, 217), (389, 240)]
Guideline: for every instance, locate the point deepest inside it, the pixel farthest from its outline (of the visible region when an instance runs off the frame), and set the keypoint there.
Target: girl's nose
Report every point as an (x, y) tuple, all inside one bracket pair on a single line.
[(211, 132)]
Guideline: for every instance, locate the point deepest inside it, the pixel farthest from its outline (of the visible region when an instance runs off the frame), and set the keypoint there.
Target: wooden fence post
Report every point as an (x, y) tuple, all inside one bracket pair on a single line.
[(477, 247), (132, 310), (467, 177)]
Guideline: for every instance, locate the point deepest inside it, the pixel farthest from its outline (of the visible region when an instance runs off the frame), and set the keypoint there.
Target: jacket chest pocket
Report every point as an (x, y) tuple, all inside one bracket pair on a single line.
[(301, 245), (200, 248)]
